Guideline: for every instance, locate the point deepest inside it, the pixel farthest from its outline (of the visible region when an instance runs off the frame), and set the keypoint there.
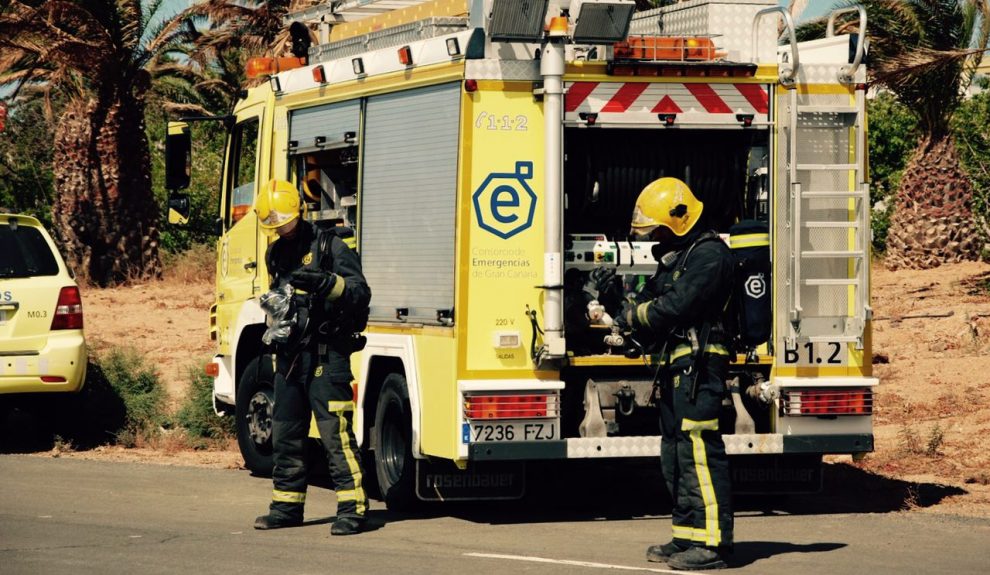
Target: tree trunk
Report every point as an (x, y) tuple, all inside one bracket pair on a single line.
[(105, 210), (933, 219)]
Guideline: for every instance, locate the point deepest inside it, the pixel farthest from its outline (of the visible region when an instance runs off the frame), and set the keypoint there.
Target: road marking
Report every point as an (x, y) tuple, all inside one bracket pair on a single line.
[(569, 562)]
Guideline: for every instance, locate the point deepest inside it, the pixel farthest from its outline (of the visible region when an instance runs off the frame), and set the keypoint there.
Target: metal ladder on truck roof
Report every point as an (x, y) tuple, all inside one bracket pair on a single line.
[(830, 226), (337, 11)]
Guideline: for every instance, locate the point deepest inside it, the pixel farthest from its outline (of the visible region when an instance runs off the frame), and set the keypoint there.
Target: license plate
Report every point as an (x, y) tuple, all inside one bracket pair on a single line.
[(513, 431)]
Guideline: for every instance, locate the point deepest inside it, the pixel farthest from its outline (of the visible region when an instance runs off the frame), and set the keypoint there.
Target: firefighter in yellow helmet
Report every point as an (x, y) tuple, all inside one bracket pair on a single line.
[(680, 310), (314, 333)]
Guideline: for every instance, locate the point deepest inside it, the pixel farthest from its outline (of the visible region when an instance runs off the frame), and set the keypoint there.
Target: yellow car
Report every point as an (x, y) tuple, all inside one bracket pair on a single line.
[(42, 348)]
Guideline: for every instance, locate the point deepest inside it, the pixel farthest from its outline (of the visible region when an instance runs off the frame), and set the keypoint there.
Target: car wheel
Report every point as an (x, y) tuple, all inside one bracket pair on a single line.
[(254, 407), (394, 464)]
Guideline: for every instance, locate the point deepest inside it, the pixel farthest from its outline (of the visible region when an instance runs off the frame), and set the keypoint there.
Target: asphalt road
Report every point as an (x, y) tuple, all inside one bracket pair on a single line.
[(75, 516)]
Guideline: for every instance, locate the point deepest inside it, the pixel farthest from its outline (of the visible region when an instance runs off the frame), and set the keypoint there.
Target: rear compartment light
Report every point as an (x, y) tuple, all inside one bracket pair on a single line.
[(52, 379), (514, 406), (68, 310), (819, 402)]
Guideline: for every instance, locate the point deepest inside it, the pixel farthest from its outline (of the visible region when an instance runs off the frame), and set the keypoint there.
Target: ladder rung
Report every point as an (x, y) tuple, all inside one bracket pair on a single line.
[(827, 110), (829, 338), (831, 224), (831, 282), (824, 167), (831, 254), (836, 194)]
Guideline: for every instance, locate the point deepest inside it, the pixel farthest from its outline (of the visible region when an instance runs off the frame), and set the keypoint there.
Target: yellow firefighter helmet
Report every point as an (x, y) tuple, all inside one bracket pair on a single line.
[(277, 205), (666, 202)]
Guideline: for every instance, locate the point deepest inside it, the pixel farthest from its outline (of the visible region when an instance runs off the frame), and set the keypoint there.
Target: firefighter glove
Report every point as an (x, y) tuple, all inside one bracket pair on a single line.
[(626, 320), (316, 282)]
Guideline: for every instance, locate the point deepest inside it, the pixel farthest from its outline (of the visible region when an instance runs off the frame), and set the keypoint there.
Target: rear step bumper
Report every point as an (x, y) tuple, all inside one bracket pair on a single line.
[(649, 446)]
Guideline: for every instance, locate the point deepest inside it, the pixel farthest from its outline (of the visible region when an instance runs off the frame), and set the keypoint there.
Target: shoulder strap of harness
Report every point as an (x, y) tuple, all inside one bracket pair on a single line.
[(325, 238), (704, 237)]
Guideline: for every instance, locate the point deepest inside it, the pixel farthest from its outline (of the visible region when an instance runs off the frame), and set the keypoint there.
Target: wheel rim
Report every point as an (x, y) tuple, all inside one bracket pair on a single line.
[(393, 446), (259, 419)]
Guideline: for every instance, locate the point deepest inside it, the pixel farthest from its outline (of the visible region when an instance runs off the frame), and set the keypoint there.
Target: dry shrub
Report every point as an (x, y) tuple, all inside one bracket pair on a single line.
[(198, 264)]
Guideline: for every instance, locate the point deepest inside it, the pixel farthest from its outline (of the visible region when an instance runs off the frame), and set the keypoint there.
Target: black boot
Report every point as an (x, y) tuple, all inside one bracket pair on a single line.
[(661, 553), (276, 521), (346, 526), (696, 559)]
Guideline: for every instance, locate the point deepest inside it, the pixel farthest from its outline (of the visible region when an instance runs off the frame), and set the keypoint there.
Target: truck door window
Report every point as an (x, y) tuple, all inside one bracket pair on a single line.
[(242, 170)]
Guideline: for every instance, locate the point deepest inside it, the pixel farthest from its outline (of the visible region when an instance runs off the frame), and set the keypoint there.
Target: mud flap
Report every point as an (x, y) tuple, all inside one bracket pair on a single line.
[(443, 481), (769, 474)]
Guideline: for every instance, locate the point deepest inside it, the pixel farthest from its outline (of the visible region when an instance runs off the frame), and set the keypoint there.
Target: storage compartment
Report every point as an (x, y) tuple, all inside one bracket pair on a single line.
[(604, 171), (606, 393)]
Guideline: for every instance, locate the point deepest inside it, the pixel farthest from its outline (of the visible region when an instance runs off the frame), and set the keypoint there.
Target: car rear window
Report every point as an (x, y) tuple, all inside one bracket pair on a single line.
[(24, 253)]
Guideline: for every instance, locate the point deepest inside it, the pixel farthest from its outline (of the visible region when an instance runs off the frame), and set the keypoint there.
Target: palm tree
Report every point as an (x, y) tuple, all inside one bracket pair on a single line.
[(926, 52), (244, 27), (100, 57)]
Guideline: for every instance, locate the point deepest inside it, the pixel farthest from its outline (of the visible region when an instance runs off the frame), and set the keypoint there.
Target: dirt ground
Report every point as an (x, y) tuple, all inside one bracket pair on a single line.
[(931, 346)]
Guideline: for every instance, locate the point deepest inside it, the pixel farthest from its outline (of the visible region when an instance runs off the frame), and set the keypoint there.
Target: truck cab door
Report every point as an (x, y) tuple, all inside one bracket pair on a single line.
[(238, 249)]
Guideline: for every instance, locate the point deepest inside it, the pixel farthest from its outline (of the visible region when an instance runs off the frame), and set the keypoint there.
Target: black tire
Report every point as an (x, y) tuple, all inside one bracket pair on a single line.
[(254, 404), (395, 467)]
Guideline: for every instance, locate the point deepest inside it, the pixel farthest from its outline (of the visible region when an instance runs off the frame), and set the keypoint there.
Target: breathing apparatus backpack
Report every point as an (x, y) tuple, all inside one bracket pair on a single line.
[(749, 241)]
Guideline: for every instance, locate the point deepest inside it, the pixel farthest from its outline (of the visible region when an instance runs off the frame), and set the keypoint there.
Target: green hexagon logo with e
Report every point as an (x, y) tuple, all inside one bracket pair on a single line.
[(504, 203)]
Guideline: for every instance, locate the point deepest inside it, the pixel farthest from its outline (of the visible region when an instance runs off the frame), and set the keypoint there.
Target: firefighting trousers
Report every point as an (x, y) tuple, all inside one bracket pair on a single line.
[(695, 466), (319, 386)]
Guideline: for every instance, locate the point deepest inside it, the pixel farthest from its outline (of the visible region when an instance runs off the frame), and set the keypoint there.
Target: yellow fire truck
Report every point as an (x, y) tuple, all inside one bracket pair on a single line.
[(488, 154)]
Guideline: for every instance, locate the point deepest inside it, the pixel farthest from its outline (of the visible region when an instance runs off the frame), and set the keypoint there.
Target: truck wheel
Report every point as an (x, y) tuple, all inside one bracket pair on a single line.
[(255, 400), (394, 463)]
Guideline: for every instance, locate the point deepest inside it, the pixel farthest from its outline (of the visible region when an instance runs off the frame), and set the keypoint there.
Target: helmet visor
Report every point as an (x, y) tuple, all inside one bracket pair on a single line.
[(276, 219)]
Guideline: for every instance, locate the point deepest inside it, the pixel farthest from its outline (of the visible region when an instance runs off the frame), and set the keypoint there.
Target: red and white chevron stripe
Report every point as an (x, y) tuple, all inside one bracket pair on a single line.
[(666, 98)]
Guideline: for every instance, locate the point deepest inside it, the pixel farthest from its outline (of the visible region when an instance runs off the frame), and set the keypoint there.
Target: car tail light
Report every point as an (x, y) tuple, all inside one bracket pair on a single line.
[(836, 401), (68, 311), (515, 406)]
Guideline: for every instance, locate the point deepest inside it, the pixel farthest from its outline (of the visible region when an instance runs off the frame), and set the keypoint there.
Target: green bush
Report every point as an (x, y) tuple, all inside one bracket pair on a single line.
[(137, 385), (893, 136), (969, 128), (196, 415)]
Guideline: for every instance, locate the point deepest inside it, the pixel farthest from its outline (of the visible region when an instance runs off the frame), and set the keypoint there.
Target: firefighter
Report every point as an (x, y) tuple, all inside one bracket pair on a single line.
[(680, 311), (312, 362)]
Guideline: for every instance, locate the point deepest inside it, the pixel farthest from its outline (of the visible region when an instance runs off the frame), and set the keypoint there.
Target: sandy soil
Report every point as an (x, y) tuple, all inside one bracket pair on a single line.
[(931, 344)]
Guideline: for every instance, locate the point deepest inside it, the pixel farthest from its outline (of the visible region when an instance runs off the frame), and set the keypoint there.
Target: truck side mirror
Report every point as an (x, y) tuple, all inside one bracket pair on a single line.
[(178, 157), (178, 208)]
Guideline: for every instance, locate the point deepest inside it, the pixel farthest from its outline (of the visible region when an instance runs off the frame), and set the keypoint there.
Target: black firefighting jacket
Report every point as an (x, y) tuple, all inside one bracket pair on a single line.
[(693, 290), (344, 309)]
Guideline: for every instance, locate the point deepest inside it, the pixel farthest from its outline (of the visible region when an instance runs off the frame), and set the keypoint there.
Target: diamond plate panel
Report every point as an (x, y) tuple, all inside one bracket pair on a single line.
[(495, 69), (595, 447), (825, 73), (729, 22), (753, 443), (649, 446)]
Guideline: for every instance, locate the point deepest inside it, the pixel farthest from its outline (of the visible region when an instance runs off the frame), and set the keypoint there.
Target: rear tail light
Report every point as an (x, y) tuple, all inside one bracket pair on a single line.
[(515, 406), (68, 311), (836, 401)]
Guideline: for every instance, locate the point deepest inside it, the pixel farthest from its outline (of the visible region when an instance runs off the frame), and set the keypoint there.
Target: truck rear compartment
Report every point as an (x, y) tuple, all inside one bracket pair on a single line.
[(604, 171)]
